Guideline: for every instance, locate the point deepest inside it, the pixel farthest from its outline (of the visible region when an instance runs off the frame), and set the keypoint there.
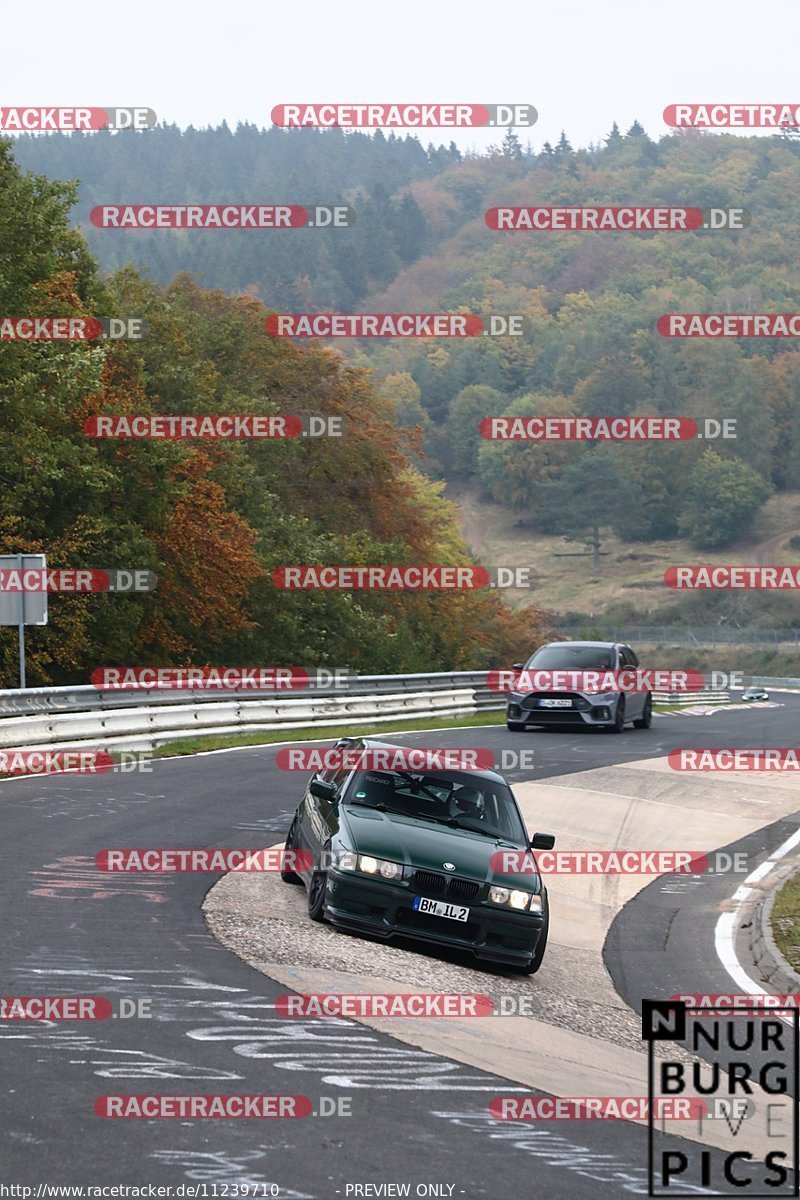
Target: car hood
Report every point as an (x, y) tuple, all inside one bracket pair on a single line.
[(427, 846)]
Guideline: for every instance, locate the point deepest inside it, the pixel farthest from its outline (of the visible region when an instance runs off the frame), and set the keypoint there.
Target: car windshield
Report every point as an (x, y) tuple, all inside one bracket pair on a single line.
[(456, 798), (572, 658)]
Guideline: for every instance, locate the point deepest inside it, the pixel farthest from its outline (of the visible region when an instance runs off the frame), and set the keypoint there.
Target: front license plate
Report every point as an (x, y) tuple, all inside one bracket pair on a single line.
[(547, 703), (438, 908)]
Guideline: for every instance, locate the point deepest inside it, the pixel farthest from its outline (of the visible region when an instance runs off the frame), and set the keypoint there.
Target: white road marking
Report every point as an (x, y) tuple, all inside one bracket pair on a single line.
[(725, 931)]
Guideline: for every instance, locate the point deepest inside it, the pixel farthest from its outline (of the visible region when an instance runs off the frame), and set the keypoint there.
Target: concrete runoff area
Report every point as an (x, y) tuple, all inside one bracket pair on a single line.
[(582, 1039)]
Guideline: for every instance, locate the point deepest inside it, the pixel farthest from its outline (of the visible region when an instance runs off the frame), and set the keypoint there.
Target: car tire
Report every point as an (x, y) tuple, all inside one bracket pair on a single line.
[(317, 887), (291, 876), (533, 966), (515, 726), (646, 719), (619, 721)]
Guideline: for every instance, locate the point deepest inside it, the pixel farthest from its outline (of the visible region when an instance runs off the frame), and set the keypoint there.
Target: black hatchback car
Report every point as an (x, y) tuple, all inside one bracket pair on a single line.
[(421, 854)]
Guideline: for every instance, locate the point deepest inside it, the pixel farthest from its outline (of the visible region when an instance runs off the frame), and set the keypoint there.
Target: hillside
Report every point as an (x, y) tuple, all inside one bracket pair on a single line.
[(590, 302), (628, 584)]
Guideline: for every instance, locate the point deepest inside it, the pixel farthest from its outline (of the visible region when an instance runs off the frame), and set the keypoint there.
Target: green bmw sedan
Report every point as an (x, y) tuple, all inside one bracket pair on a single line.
[(441, 856)]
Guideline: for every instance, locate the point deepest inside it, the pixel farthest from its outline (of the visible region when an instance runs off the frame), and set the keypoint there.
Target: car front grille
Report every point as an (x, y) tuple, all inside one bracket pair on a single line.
[(463, 889), (428, 883)]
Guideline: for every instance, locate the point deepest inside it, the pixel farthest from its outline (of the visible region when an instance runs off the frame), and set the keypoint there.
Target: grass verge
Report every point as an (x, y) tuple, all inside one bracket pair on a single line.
[(316, 733), (786, 921)]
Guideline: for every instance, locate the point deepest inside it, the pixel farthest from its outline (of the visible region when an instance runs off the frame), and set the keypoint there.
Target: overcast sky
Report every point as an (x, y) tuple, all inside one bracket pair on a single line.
[(581, 63)]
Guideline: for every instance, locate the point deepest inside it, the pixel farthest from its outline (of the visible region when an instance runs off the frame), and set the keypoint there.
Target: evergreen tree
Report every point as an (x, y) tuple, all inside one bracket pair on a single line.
[(512, 146), (563, 147)]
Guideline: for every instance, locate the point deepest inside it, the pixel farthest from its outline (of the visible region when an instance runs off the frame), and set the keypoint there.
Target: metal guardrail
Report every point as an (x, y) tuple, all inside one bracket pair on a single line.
[(138, 718), (144, 727), (86, 698)]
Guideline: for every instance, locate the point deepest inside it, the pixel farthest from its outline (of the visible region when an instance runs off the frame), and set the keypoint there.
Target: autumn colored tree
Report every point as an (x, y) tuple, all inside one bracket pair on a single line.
[(212, 521)]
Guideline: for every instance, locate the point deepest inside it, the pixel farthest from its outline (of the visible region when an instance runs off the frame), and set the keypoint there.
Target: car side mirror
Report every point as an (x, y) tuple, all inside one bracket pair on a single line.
[(322, 789), (517, 666), (543, 841)]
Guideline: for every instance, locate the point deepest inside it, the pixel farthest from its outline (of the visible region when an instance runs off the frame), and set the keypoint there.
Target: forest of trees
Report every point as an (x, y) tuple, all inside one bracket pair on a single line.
[(590, 300), (211, 519), (304, 269)]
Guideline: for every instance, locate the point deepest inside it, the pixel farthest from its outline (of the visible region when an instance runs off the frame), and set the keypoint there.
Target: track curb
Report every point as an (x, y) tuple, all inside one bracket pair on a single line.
[(770, 964)]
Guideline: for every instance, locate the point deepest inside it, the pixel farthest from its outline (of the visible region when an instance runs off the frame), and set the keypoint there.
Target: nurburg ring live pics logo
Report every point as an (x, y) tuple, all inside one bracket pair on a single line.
[(751, 1067)]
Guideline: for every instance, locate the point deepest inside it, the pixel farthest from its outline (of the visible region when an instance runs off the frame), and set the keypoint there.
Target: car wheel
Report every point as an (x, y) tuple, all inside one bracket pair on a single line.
[(538, 955), (316, 895), (515, 726), (291, 876), (619, 722), (646, 719)]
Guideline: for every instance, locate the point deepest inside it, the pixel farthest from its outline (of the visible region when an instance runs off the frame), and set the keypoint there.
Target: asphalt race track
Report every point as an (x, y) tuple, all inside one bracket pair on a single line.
[(69, 929)]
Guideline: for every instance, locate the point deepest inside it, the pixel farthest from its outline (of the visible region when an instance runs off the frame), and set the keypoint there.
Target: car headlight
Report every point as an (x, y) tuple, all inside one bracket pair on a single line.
[(515, 898), (379, 866), (347, 860)]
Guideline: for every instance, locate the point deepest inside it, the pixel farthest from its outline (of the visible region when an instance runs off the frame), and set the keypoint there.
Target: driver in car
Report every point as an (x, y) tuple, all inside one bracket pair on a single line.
[(466, 801)]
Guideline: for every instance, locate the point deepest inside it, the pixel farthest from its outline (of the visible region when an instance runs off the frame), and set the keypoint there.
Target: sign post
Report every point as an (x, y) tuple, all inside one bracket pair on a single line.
[(18, 606)]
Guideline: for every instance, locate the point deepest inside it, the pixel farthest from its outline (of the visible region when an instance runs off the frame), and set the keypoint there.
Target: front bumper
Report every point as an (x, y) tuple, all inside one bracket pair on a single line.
[(581, 711), (384, 910)]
